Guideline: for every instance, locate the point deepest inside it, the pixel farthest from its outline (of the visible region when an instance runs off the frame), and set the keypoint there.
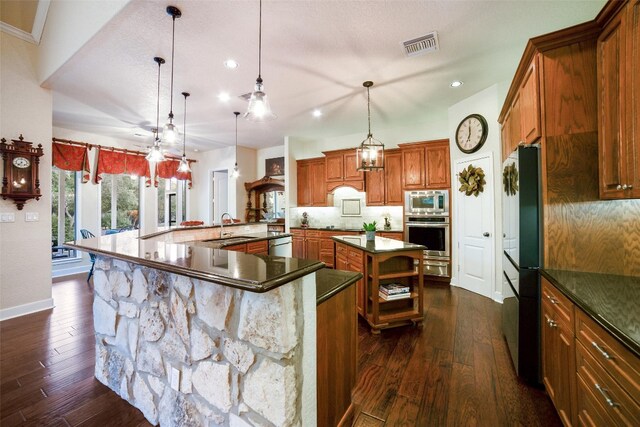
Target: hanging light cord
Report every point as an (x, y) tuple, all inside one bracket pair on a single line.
[(236, 150), (158, 102), (369, 111), (173, 42), (260, 46), (184, 126)]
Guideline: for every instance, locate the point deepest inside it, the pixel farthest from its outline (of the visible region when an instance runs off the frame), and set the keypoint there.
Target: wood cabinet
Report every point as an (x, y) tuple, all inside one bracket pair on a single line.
[(558, 349), (396, 235), (384, 188), (297, 243), (260, 247), (311, 189), (341, 169), (425, 165), (350, 259), (618, 68), (305, 243)]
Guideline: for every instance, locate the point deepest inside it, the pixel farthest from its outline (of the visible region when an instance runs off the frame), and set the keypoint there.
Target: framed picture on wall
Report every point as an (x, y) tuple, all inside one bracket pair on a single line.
[(274, 167)]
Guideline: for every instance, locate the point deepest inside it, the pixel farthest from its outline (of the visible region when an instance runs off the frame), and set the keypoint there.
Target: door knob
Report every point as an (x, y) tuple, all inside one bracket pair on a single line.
[(486, 234)]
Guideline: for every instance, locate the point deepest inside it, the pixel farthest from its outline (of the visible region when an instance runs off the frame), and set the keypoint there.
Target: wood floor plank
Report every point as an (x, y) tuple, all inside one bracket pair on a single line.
[(492, 413), (434, 404), (464, 337), (415, 376), (365, 420), (404, 413), (463, 398), (12, 419)]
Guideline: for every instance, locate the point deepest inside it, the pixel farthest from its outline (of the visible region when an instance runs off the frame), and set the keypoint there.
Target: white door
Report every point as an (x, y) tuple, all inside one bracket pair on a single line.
[(476, 230), (219, 195)]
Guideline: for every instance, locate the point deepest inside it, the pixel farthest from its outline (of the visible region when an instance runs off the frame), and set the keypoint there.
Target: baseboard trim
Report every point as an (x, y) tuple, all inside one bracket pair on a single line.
[(22, 310), (497, 297), (62, 272)]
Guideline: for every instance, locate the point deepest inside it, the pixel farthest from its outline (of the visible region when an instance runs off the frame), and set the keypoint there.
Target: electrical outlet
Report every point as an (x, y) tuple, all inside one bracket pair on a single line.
[(31, 216), (175, 379), (7, 217)]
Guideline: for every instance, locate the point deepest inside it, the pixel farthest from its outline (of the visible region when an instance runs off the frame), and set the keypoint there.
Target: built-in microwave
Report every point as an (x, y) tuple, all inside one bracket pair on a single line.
[(434, 202)]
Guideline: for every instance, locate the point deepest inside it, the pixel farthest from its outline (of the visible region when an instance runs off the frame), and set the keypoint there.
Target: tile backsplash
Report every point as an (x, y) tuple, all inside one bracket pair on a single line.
[(327, 216)]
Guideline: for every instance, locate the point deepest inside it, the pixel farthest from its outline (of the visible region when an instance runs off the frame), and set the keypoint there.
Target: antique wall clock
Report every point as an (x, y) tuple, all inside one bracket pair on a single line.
[(471, 133), (20, 179)]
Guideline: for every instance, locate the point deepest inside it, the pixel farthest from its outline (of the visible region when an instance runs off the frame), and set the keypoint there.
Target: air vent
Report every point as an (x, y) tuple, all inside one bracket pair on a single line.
[(421, 45)]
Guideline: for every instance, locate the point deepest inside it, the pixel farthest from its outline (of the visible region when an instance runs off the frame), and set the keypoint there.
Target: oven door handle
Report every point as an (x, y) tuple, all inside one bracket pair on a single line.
[(434, 225)]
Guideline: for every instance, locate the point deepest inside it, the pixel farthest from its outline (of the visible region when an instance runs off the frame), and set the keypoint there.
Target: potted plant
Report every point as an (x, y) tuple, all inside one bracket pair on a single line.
[(370, 230)]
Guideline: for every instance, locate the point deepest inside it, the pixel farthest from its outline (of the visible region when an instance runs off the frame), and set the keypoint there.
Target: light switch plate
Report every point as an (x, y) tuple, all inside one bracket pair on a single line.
[(175, 379), (31, 216), (7, 217)]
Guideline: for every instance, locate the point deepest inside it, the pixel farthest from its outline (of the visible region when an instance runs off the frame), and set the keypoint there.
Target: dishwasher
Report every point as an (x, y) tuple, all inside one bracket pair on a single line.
[(281, 246)]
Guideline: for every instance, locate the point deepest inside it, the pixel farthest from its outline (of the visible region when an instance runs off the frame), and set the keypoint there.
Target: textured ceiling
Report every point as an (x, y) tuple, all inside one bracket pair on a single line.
[(316, 54)]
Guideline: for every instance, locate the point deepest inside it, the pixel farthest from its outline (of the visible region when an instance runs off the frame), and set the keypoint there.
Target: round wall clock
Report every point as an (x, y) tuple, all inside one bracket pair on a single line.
[(471, 133)]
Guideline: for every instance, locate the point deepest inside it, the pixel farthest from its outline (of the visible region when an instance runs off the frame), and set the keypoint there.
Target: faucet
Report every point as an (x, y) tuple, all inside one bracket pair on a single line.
[(222, 234)]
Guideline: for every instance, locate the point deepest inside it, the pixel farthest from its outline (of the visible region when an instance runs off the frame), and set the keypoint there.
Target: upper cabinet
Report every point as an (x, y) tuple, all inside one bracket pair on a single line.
[(385, 187), (341, 169), (425, 165), (619, 104), (311, 190), (521, 121)]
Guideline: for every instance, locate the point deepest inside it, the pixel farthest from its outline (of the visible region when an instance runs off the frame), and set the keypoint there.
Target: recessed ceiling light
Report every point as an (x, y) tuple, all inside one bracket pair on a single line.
[(456, 83), (196, 150), (224, 96), (317, 113), (231, 64)]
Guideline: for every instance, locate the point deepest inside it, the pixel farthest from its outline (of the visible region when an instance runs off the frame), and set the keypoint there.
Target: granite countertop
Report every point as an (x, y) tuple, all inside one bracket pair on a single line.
[(343, 229), (330, 282), (612, 301), (255, 273), (239, 239), (379, 245)]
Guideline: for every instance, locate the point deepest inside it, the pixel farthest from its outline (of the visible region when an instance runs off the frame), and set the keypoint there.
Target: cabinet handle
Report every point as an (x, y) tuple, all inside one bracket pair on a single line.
[(601, 350), (624, 187), (629, 186), (604, 392), (551, 323), (552, 300), (619, 187)]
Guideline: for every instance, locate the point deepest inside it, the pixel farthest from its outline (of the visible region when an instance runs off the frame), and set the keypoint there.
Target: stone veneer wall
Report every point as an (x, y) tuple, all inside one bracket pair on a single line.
[(239, 353)]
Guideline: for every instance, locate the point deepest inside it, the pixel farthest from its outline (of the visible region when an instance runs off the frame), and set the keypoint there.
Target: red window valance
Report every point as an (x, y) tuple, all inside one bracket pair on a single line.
[(72, 158), (119, 162), (169, 169)]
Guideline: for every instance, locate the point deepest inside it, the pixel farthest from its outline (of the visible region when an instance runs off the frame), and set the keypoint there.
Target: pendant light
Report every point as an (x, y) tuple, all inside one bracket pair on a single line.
[(235, 172), (155, 155), (370, 153), (259, 109), (184, 164), (170, 132)]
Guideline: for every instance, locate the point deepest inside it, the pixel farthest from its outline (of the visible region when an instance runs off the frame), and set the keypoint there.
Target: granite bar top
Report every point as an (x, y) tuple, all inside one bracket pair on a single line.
[(379, 245), (254, 273), (331, 282), (612, 301), (360, 230), (240, 239)]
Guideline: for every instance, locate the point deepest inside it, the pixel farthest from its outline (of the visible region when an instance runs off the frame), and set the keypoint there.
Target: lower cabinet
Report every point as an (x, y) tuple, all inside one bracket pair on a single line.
[(350, 259), (317, 244), (592, 379), (260, 247)]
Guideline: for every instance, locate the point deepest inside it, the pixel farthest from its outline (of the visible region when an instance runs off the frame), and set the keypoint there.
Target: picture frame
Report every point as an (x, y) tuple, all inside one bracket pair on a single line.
[(351, 207), (274, 166)]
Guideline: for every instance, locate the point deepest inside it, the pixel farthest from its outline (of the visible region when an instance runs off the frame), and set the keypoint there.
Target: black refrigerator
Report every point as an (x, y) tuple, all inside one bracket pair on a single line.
[(521, 262)]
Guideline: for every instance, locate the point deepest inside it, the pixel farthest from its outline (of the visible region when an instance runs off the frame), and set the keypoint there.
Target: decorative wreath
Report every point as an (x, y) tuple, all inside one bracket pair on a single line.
[(510, 180), (472, 181)]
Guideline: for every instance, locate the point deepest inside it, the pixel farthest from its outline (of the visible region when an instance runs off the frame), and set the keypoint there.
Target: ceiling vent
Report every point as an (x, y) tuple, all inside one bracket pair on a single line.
[(421, 45)]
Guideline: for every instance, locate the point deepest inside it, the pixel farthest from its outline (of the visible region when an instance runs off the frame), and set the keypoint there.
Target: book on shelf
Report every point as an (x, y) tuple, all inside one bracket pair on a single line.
[(386, 297), (394, 288)]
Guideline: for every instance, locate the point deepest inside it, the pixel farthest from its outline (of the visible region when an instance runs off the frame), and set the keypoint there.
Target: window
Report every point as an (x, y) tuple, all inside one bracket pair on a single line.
[(172, 202), (120, 203), (63, 212)]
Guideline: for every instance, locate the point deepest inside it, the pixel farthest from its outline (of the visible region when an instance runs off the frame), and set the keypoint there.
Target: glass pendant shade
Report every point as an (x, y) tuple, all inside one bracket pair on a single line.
[(170, 133), (259, 109), (370, 154), (155, 155), (235, 173), (184, 165)]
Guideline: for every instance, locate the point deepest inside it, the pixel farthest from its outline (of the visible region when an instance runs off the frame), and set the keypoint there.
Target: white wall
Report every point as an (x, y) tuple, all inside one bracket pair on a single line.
[(488, 103), (25, 247)]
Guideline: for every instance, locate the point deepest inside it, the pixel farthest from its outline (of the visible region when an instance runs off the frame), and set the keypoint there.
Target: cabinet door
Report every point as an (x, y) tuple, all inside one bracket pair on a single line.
[(334, 168), (633, 102), (375, 187), (393, 179), (515, 134), (566, 374), (313, 248), (548, 344), (413, 168), (504, 136), (304, 187), (611, 132), (351, 172), (297, 244), (530, 103), (318, 184), (437, 161)]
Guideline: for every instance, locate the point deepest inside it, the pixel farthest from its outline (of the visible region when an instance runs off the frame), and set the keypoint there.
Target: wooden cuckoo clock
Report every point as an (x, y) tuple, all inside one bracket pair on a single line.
[(20, 179)]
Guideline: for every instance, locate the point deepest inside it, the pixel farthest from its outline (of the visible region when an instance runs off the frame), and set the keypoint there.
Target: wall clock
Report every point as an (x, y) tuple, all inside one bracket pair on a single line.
[(20, 178), (471, 133)]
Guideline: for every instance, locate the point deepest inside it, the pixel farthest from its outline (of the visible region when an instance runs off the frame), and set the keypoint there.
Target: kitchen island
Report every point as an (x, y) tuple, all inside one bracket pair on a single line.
[(384, 262), (192, 334)]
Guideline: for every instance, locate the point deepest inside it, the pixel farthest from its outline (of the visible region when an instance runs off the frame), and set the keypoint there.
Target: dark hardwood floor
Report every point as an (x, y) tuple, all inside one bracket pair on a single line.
[(455, 371)]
